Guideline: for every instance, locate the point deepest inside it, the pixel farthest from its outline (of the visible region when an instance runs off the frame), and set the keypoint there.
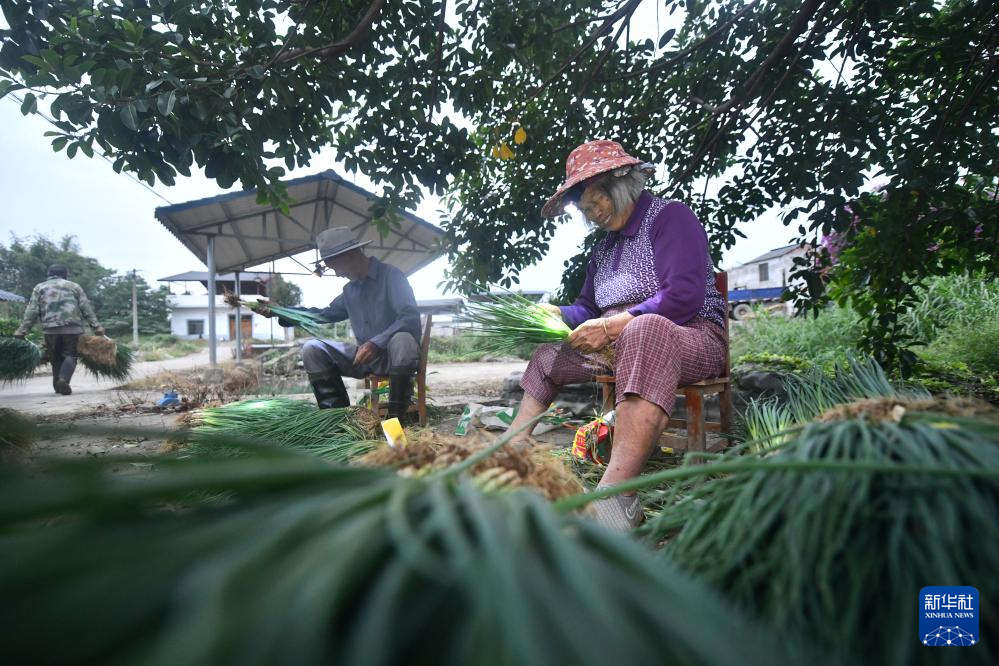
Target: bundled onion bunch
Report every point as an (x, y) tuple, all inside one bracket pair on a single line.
[(120, 369), (832, 533), (311, 563), (508, 320), (18, 359), (312, 324), (331, 434)]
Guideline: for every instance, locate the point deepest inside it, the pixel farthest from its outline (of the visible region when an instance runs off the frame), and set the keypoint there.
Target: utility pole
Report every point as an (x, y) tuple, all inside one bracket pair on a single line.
[(135, 315)]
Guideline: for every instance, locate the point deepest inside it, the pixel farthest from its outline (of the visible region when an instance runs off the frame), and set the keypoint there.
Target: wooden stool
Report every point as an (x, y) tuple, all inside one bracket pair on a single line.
[(371, 381)]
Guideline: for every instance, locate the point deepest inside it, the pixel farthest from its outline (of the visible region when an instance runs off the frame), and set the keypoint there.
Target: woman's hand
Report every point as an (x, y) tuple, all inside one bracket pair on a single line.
[(590, 336), (551, 309), (595, 334)]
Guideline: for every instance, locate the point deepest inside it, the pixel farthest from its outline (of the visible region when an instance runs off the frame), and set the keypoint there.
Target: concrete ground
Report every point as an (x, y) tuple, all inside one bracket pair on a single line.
[(96, 418)]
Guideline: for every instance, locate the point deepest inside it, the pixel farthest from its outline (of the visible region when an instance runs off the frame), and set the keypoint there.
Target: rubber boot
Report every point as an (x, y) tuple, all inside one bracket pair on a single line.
[(400, 397), (329, 390), (66, 371)]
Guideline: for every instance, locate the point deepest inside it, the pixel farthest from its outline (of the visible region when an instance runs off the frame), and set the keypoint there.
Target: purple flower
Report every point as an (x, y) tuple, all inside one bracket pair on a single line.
[(933, 248), (979, 230)]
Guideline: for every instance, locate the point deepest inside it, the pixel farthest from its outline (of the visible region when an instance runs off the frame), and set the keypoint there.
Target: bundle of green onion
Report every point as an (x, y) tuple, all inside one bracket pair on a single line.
[(120, 370), (833, 531), (310, 563), (508, 320), (18, 359), (331, 434), (311, 323)]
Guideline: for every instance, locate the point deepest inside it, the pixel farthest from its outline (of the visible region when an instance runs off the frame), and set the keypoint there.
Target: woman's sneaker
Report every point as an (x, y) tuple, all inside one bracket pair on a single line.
[(620, 513)]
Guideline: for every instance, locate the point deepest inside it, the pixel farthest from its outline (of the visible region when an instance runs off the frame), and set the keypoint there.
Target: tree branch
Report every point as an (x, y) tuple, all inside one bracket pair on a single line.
[(607, 51), (568, 26), (438, 60), (744, 91), (602, 30), (335, 48), (714, 34)]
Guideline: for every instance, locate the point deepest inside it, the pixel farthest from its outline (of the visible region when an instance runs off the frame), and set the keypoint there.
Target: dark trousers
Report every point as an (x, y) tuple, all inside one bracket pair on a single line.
[(62, 354)]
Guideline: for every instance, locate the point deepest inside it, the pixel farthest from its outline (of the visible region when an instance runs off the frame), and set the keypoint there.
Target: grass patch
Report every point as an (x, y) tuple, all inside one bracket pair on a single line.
[(162, 346), (467, 348)]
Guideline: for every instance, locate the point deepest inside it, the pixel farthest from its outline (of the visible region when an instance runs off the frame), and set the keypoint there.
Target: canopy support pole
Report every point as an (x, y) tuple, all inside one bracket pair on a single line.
[(239, 323), (211, 302)]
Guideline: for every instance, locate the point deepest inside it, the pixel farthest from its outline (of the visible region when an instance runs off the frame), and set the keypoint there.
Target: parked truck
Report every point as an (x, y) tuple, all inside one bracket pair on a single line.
[(741, 301)]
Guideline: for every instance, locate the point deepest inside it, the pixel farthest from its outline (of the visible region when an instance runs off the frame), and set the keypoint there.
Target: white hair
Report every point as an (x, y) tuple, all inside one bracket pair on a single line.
[(623, 186)]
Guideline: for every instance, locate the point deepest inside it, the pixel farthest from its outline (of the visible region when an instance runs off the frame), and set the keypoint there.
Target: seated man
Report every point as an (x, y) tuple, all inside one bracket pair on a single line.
[(380, 305)]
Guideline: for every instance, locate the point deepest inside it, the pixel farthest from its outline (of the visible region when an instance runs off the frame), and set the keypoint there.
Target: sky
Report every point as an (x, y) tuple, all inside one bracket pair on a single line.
[(112, 215)]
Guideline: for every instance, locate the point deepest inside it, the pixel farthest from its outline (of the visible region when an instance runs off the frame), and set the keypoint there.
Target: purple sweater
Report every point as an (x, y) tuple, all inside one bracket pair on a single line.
[(658, 260)]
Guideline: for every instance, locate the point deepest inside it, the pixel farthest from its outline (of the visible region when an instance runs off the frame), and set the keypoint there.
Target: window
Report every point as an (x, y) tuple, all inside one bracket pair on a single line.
[(764, 272), (196, 327)]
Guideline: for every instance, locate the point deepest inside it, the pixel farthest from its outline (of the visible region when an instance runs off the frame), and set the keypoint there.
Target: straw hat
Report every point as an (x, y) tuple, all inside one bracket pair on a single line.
[(588, 160), (336, 241)]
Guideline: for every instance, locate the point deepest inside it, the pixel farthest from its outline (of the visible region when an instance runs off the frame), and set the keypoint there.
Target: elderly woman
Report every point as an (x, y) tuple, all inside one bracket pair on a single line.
[(649, 293)]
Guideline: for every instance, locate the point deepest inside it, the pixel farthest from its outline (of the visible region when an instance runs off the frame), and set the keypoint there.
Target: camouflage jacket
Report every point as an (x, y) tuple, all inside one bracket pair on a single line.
[(58, 303)]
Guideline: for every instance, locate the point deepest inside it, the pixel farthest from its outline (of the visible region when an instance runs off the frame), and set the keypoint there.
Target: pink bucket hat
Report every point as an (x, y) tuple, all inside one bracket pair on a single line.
[(586, 161)]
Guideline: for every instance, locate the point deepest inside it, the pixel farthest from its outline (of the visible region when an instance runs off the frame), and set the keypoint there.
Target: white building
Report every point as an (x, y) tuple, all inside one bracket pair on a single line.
[(769, 270), (189, 311), (189, 320)]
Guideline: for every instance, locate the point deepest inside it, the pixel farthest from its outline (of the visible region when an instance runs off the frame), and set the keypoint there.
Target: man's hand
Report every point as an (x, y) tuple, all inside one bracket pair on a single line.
[(590, 336), (366, 353), (19, 336), (262, 309)]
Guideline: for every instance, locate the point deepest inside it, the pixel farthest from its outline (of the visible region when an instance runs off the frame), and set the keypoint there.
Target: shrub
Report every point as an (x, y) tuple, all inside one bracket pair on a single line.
[(823, 340)]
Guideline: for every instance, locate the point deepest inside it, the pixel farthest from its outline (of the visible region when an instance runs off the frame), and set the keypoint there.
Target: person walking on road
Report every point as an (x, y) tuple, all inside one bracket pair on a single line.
[(62, 307)]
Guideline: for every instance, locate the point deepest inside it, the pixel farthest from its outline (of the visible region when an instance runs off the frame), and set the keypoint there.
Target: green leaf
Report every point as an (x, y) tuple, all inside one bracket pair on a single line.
[(29, 105), (60, 143), (36, 61), (152, 85), (130, 117), (165, 102), (7, 86), (71, 150)]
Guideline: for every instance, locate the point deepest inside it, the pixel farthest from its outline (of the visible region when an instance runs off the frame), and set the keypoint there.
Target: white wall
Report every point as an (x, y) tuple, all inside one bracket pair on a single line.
[(747, 276), (190, 307)]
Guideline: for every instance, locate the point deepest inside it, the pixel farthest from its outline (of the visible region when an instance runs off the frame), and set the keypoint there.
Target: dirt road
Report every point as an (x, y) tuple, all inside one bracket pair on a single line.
[(447, 384)]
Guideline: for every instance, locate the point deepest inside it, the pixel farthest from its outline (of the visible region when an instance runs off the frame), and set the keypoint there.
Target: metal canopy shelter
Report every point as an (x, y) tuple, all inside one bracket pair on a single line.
[(232, 232)]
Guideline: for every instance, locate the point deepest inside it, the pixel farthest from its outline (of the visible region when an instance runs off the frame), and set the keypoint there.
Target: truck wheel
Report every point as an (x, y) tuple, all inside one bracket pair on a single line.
[(741, 311)]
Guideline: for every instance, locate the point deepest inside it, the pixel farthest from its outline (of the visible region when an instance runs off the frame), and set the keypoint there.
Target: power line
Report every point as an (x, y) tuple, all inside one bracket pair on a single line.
[(17, 100)]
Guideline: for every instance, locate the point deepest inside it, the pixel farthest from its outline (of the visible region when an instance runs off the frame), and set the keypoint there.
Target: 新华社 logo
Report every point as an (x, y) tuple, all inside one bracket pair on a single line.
[(948, 616)]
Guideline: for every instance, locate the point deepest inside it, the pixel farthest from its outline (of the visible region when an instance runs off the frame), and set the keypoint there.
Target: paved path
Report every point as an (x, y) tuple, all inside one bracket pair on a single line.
[(447, 384), (37, 397)]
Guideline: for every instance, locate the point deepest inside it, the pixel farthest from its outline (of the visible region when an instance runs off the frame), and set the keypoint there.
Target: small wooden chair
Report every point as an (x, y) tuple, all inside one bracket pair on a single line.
[(371, 381), (695, 424)]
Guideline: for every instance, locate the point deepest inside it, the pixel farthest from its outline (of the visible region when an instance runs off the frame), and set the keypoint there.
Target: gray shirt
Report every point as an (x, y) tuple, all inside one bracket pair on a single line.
[(378, 307)]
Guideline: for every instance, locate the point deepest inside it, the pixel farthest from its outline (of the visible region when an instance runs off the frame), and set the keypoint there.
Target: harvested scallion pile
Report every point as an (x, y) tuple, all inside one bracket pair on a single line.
[(331, 434), (508, 320), (310, 563), (18, 359), (834, 530)]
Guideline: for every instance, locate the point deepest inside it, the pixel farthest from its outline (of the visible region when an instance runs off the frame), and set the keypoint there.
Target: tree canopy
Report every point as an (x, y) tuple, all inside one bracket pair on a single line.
[(25, 261), (804, 107)]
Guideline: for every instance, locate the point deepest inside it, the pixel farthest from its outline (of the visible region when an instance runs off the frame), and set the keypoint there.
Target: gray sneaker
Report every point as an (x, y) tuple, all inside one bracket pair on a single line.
[(619, 513)]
